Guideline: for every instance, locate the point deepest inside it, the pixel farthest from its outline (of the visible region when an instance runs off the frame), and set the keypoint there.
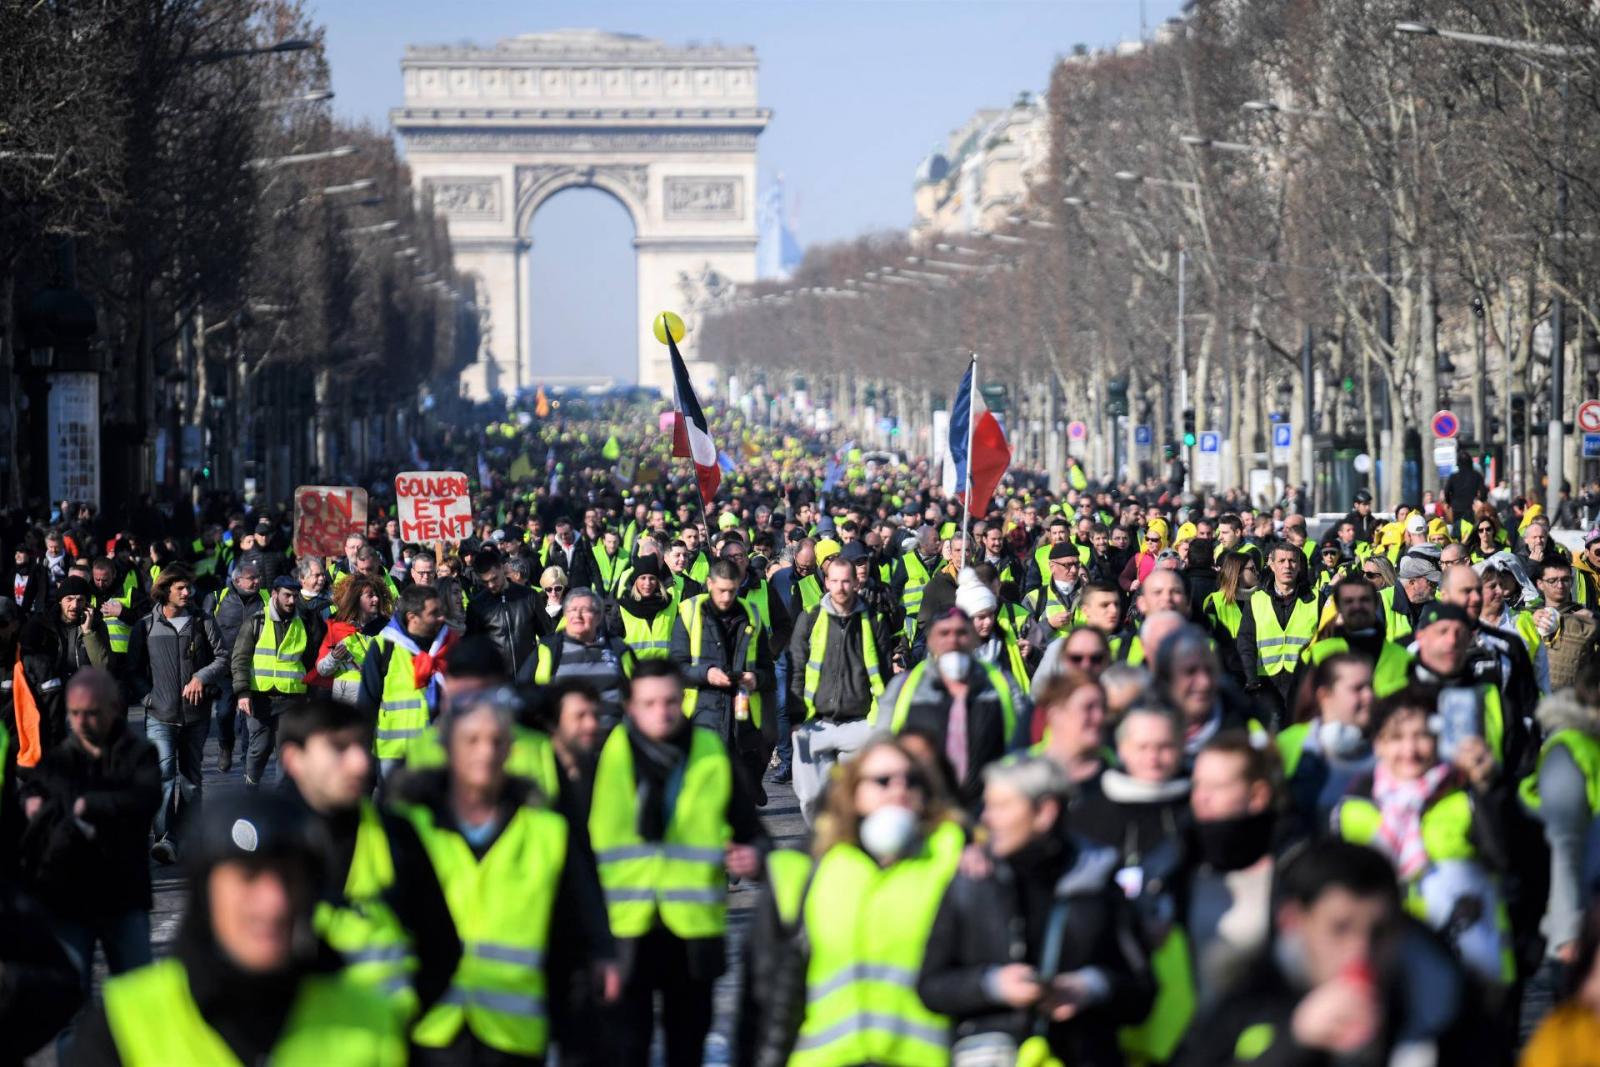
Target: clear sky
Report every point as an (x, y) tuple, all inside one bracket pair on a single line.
[(860, 90)]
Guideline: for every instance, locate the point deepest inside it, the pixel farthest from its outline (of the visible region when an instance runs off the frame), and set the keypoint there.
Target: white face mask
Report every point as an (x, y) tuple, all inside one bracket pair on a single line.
[(954, 664), (887, 832), (1340, 739)]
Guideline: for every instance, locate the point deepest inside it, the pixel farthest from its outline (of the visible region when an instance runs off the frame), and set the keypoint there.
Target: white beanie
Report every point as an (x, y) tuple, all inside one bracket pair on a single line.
[(972, 596)]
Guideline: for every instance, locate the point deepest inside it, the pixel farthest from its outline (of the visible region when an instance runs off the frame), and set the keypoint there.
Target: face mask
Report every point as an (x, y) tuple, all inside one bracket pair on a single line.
[(886, 832), (954, 664), (1233, 844), (1342, 740)]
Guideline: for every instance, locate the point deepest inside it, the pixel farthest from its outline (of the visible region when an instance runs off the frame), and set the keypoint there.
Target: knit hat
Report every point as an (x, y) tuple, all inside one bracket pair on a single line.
[(76, 585), (972, 596), (1440, 611)]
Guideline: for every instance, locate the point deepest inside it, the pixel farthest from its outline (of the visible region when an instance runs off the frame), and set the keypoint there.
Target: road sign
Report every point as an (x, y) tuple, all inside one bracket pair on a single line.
[(1208, 459), (1282, 442), (1589, 416), (1077, 430), (1444, 456), (1591, 446), (1142, 436), (1445, 423)]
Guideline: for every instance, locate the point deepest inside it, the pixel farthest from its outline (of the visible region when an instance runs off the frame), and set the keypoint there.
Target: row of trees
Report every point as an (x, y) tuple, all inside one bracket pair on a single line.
[(1318, 174), (172, 168)]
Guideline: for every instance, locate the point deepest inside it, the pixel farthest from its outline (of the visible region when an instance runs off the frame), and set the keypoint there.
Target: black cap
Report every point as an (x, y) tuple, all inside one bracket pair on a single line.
[(651, 565), (1363, 497), (855, 551), (1065, 550), (284, 581), (1439, 611), (252, 825)]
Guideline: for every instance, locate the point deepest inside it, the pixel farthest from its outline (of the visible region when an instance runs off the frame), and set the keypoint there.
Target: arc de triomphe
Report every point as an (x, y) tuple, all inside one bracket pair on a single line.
[(669, 131)]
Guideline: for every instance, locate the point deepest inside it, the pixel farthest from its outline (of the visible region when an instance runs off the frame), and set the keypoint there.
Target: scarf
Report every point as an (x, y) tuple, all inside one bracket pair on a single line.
[(1400, 806), (425, 666)]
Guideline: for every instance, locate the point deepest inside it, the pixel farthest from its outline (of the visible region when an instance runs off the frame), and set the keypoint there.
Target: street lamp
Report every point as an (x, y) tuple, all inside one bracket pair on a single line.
[(315, 96), (293, 44), (377, 227), (1173, 183), (359, 185), (1556, 460), (1268, 107), (274, 162), (1194, 141)]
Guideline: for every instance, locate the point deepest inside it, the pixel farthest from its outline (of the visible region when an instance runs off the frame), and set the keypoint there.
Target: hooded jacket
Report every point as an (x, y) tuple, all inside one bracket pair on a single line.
[(843, 690)]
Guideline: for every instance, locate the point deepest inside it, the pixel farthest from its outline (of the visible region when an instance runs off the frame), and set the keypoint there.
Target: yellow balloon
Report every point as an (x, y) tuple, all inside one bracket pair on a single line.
[(668, 321)]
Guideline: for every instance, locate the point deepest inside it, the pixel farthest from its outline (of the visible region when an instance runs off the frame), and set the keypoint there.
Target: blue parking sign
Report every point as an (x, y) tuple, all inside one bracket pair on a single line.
[(1210, 441)]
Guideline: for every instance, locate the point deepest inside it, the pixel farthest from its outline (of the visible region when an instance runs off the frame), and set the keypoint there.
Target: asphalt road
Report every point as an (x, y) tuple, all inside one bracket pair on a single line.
[(781, 814)]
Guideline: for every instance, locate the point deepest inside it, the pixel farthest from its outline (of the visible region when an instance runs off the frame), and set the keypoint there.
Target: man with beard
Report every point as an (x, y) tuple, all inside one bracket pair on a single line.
[(1357, 630)]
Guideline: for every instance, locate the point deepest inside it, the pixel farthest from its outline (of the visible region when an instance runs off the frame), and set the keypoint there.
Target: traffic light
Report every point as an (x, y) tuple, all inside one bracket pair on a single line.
[(1519, 416), (1117, 397), (1188, 428)]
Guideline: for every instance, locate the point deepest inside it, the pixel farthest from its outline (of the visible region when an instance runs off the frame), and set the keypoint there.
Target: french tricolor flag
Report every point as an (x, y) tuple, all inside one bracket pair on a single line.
[(984, 463), (691, 434)]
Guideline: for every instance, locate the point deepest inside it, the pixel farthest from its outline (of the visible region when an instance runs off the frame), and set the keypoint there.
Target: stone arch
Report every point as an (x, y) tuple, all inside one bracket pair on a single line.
[(667, 131)]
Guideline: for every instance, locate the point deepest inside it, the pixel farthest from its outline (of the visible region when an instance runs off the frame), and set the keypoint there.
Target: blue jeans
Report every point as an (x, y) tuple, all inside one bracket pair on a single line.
[(780, 667), (180, 747), (125, 938), (226, 710)]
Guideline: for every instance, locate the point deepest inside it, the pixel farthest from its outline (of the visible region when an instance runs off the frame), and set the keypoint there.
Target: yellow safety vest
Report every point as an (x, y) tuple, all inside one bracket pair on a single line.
[(680, 878), (917, 576), (817, 653), (1278, 647), (402, 709), (533, 757), (908, 690), (155, 1022), (649, 638), (363, 928), (118, 631), (277, 665), (502, 905), (868, 929), (1389, 675), (692, 612)]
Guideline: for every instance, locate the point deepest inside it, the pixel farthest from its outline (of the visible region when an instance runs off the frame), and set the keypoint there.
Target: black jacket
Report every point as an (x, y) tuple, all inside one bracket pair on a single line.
[(985, 923), (415, 896), (39, 990), (714, 706), (107, 874), (513, 619), (843, 688)]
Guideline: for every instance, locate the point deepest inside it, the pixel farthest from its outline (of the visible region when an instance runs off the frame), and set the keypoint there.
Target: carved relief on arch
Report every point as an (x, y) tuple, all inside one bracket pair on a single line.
[(538, 180)]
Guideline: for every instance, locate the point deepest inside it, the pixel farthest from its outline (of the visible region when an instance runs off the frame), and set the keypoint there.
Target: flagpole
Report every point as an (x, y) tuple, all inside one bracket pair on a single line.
[(966, 490)]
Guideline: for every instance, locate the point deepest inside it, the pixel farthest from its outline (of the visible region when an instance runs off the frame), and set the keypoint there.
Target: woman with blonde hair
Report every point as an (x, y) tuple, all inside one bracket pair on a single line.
[(840, 934)]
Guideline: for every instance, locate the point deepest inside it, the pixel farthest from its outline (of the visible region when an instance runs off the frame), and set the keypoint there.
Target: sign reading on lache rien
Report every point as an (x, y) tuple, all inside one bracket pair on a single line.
[(433, 506), (324, 515)]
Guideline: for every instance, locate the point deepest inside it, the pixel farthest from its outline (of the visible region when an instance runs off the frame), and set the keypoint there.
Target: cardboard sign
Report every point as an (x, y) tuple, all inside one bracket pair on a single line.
[(324, 515), (433, 506)]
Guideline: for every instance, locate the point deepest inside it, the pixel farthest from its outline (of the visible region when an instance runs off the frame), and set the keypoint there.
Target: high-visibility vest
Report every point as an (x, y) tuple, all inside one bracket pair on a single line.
[(120, 630), (680, 878), (692, 612), (868, 928), (1446, 835), (357, 643), (917, 576), (1126, 648), (1014, 660), (155, 1022), (1044, 602), (1156, 1038), (402, 709), (1396, 625), (649, 638), (1585, 752), (1224, 612), (533, 757), (908, 689), (502, 905), (699, 567), (1389, 675), (810, 590), (277, 665), (546, 663), (608, 566), (817, 652), (757, 598), (1278, 647), (363, 928), (228, 590)]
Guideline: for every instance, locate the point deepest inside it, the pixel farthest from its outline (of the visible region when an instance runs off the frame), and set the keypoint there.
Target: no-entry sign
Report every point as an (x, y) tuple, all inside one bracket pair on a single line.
[(324, 515), (433, 506)]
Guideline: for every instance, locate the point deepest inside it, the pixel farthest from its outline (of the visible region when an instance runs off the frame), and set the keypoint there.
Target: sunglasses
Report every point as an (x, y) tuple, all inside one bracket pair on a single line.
[(908, 779), (555, 589), (1373, 573), (1086, 659)]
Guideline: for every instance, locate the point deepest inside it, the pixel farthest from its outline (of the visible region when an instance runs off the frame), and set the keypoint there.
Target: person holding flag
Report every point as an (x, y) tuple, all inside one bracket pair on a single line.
[(979, 454)]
